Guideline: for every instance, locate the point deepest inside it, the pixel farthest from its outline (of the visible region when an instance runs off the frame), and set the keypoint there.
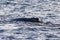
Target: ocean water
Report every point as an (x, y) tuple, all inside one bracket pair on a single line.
[(45, 10)]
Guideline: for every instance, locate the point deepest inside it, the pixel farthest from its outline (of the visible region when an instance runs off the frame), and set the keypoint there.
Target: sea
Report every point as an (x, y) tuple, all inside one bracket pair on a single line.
[(45, 10)]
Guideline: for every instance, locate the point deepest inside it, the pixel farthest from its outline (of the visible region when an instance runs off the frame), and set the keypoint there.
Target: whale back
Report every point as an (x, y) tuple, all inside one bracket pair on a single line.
[(26, 19)]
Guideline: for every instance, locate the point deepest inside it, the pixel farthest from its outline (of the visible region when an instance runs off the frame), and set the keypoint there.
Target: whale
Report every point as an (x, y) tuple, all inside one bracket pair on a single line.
[(26, 19)]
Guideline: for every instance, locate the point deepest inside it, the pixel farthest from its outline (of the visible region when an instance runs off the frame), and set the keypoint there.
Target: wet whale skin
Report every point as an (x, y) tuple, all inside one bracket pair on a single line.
[(26, 19)]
